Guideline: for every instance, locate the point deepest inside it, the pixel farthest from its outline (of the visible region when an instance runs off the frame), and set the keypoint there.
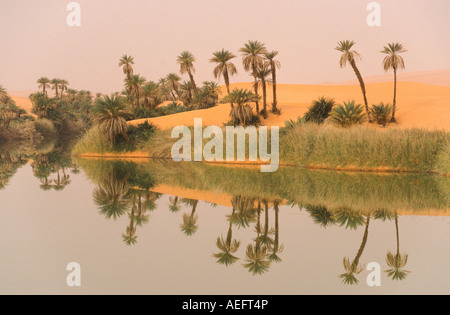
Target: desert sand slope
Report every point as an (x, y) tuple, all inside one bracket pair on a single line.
[(23, 102), (418, 105)]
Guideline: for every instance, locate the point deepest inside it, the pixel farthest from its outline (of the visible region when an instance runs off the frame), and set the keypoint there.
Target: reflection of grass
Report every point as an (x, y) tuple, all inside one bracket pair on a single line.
[(333, 190)]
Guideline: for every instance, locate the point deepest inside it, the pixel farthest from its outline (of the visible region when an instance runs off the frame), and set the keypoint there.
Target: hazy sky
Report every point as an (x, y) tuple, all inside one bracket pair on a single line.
[(36, 40)]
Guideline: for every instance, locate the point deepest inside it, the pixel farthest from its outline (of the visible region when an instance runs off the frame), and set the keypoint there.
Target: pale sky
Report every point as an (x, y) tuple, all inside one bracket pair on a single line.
[(36, 40)]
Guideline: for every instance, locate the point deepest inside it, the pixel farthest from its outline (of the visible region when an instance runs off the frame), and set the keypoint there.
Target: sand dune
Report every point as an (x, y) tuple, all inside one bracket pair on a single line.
[(418, 105), (23, 102)]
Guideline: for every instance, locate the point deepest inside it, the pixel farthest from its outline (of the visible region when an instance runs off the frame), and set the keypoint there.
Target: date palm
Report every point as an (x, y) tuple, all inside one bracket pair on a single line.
[(354, 268), (274, 64), (63, 84), (241, 114), (126, 63), (252, 59), (174, 205), (263, 80), (227, 247), (277, 247), (189, 225), (55, 86), (256, 256), (397, 261), (186, 61), (245, 214), (111, 114), (394, 61), (173, 81), (134, 84), (111, 196), (130, 238), (44, 84), (351, 56), (224, 67)]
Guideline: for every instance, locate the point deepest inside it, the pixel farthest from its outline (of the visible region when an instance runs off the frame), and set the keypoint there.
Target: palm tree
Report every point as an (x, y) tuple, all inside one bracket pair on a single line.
[(173, 81), (394, 61), (111, 114), (63, 84), (321, 215), (256, 255), (126, 62), (274, 64), (133, 85), (253, 58), (55, 86), (174, 205), (227, 247), (186, 90), (224, 67), (277, 247), (262, 79), (242, 113), (245, 214), (397, 261), (265, 238), (130, 237), (151, 92), (112, 196), (44, 84), (354, 268), (189, 225), (186, 61), (351, 56)]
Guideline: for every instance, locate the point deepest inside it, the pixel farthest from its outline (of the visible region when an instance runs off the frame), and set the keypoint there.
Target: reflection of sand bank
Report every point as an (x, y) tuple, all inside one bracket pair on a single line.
[(224, 199), (418, 105)]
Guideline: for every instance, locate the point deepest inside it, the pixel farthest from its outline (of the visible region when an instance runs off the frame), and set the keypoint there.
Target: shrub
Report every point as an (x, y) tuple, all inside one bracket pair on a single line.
[(243, 115), (320, 110), (348, 114), (289, 124), (381, 113), (46, 128)]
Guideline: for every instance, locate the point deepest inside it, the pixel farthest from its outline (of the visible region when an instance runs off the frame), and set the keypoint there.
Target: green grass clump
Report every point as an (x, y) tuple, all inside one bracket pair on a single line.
[(364, 149), (382, 113)]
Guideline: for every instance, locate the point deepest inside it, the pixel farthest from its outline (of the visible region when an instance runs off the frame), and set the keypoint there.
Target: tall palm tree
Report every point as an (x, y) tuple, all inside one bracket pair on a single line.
[(111, 114), (354, 268), (397, 261), (274, 64), (224, 67), (253, 58), (55, 86), (227, 246), (173, 81), (44, 84), (133, 85), (63, 84), (174, 205), (189, 225), (276, 247), (351, 56), (262, 80), (186, 61), (130, 237), (394, 61), (256, 255), (126, 63)]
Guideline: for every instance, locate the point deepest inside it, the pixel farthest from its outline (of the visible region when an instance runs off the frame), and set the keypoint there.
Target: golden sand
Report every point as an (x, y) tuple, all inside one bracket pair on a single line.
[(418, 105)]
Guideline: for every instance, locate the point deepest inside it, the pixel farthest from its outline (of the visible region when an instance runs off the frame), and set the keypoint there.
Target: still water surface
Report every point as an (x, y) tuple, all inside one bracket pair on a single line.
[(136, 228)]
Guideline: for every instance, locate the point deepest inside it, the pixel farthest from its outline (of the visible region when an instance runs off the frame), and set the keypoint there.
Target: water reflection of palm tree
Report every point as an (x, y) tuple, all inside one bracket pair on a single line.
[(354, 268), (321, 215), (112, 196), (277, 247), (256, 254), (227, 247), (265, 238), (130, 237), (189, 225), (350, 218), (397, 261), (245, 214), (174, 205)]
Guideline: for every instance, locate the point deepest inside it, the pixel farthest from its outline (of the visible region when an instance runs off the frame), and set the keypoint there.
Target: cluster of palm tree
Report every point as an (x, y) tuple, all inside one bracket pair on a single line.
[(58, 85), (53, 164), (392, 61)]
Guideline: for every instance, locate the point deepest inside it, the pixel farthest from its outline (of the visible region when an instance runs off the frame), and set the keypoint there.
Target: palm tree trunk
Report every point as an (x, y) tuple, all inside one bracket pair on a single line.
[(395, 96), (274, 82), (264, 97), (255, 87), (363, 88), (194, 87), (363, 244), (227, 83), (398, 236)]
